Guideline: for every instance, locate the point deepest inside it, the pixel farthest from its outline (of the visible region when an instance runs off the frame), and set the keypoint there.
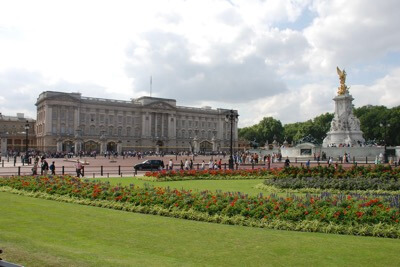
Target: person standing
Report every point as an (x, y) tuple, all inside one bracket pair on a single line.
[(78, 167), (170, 165), (287, 162), (308, 163), (53, 168), (34, 168), (210, 165), (203, 165), (186, 165), (45, 167)]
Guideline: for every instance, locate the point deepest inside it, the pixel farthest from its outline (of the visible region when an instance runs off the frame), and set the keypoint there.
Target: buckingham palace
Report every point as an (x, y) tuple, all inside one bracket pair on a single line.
[(70, 122)]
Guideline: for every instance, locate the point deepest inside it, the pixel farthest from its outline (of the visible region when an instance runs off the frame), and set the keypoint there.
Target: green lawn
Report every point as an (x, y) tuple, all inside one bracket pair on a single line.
[(37, 232), (244, 186)]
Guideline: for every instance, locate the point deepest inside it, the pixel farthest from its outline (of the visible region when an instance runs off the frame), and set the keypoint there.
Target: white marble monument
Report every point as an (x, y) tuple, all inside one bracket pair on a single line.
[(345, 127)]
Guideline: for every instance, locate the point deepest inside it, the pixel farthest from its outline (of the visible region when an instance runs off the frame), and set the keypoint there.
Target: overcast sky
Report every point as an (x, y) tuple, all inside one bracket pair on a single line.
[(265, 58)]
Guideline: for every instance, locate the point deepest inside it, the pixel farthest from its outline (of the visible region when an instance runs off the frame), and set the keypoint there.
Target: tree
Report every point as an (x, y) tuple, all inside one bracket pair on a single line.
[(370, 118), (268, 128), (265, 130)]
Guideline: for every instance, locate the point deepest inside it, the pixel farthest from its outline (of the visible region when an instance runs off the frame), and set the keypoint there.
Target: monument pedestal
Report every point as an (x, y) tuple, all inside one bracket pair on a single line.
[(345, 127)]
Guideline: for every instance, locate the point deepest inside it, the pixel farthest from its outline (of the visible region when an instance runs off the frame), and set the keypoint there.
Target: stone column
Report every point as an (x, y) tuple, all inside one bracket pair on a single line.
[(48, 120), (59, 145), (3, 146), (78, 145), (196, 147), (214, 144), (103, 147), (119, 147), (171, 126), (144, 122), (162, 124)]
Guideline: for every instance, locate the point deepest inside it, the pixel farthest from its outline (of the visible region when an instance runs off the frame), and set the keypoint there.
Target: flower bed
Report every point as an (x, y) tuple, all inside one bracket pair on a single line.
[(291, 172), (325, 209), (349, 183), (274, 189), (210, 174)]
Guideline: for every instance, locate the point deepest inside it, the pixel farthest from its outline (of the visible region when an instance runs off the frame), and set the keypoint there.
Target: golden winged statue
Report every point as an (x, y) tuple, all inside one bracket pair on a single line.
[(342, 89)]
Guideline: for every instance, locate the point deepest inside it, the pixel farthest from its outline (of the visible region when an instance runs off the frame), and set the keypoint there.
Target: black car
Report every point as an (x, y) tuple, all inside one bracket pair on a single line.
[(150, 164)]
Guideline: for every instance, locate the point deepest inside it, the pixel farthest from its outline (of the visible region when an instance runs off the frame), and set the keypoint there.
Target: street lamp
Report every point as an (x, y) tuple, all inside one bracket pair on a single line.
[(231, 116), (385, 125), (26, 142)]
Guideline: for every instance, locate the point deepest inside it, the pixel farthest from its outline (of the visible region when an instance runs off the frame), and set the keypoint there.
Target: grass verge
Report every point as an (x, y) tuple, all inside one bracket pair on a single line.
[(244, 186), (37, 232)]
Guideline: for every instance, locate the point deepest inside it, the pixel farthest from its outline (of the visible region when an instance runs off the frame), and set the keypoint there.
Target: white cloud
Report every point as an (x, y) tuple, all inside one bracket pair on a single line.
[(350, 32), (384, 91), (224, 53)]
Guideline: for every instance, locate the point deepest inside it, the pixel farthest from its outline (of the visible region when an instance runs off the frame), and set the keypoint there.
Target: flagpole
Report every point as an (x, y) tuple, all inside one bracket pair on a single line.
[(151, 82)]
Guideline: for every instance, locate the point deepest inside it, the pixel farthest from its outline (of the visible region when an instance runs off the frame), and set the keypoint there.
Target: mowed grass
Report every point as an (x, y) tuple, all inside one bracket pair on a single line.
[(244, 186), (37, 232)]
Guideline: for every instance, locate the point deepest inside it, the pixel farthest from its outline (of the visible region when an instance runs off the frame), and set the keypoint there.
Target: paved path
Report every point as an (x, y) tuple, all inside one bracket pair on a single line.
[(124, 166)]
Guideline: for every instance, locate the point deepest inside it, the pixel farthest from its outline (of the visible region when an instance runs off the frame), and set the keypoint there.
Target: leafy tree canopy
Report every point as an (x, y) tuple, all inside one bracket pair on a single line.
[(370, 117)]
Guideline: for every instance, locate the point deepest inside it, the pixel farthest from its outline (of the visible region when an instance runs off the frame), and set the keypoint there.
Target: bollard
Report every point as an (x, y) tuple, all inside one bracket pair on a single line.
[(119, 170), (198, 166), (252, 165), (62, 170), (295, 160), (19, 170), (93, 175), (23, 163), (354, 160), (2, 163), (366, 160), (8, 159), (101, 170), (121, 174), (108, 175), (225, 165)]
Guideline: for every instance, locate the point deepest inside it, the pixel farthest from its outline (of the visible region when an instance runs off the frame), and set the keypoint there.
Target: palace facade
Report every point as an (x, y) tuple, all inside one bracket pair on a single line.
[(13, 133), (70, 122)]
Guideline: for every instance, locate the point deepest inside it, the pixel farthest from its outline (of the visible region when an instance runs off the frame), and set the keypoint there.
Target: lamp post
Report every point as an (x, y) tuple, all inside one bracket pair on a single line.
[(385, 125), (26, 142), (231, 116)]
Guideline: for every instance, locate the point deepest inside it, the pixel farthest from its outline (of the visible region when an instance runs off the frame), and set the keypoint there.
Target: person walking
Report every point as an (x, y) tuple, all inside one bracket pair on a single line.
[(170, 165), (53, 168)]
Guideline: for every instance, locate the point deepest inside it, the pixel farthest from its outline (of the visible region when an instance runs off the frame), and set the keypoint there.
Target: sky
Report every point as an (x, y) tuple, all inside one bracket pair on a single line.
[(264, 58)]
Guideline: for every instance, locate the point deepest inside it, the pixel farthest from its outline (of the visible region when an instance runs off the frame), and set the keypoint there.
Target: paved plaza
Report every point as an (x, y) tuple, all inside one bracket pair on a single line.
[(120, 166)]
